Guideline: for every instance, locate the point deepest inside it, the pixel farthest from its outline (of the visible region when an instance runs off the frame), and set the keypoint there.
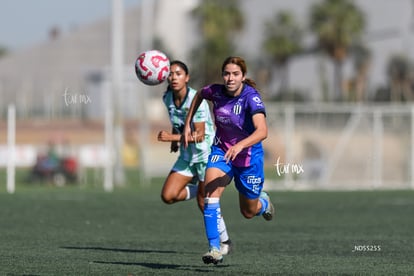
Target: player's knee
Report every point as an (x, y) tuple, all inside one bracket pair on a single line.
[(247, 213), (167, 198)]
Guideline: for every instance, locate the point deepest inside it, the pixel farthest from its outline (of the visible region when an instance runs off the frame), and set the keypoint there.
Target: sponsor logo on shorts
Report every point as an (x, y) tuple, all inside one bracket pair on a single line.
[(255, 183), (251, 179)]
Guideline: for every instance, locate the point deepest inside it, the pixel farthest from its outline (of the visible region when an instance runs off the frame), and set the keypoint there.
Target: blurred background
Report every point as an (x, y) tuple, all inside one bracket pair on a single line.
[(336, 76)]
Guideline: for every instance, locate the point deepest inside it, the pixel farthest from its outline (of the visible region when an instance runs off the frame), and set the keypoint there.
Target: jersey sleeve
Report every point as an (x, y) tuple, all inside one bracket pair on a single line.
[(256, 104), (208, 91)]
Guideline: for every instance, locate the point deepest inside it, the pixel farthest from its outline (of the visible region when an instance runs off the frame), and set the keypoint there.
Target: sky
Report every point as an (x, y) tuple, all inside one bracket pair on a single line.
[(24, 23)]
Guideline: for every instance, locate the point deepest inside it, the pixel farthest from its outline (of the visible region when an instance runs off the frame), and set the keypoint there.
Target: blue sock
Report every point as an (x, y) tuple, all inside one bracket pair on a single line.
[(264, 206), (212, 215)]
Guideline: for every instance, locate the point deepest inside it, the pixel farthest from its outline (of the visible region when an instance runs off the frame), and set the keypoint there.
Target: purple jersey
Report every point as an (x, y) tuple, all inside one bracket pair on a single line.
[(233, 119)]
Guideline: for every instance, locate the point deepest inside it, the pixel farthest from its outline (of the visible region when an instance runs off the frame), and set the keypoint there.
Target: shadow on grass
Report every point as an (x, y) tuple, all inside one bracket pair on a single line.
[(148, 265), (167, 266), (125, 250), (196, 268)]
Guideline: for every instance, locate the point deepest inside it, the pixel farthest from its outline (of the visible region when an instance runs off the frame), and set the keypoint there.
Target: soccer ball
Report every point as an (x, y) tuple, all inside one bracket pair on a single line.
[(152, 67)]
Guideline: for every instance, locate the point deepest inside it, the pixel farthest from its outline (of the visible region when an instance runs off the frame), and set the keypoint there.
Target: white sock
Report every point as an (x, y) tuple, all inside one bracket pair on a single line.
[(191, 191), (223, 230)]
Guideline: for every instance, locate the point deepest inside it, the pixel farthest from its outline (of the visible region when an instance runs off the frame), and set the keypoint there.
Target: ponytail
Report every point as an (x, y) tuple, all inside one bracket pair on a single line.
[(250, 82)]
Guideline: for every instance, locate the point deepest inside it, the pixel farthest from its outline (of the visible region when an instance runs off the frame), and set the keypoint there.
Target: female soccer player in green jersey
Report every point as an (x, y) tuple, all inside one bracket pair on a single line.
[(192, 161)]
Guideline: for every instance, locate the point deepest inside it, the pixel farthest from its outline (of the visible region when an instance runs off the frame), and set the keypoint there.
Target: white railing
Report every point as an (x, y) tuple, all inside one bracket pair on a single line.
[(322, 146), (337, 146)]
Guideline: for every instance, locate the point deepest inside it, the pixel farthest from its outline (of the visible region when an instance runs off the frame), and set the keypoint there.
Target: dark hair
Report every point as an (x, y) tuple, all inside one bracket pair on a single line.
[(242, 64), (181, 64)]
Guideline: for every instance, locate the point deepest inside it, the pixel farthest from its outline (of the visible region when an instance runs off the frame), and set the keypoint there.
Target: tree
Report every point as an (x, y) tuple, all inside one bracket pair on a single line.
[(3, 51), (337, 25), (283, 39), (357, 87), (218, 22)]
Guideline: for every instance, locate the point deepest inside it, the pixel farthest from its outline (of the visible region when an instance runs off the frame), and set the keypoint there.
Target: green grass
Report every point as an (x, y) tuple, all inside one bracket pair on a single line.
[(81, 230)]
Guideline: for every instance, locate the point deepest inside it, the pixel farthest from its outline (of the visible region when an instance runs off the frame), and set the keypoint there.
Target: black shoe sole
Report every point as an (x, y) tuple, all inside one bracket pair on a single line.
[(211, 260)]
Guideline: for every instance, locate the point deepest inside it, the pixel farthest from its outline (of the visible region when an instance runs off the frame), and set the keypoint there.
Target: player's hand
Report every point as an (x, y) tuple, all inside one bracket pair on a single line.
[(185, 137), (232, 152), (164, 136)]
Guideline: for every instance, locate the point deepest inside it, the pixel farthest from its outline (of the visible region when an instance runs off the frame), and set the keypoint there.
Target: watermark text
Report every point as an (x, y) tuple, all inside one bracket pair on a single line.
[(74, 98), (282, 168), (366, 248)]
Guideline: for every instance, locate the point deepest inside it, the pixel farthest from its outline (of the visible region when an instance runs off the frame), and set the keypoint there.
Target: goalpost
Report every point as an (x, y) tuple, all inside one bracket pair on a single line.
[(113, 119), (146, 37)]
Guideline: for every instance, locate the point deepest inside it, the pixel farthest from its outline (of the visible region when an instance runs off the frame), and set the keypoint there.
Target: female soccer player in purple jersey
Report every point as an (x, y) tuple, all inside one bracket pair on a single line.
[(237, 152), (191, 162)]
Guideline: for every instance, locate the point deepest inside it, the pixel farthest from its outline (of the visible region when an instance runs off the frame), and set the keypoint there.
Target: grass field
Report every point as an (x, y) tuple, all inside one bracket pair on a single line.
[(82, 230)]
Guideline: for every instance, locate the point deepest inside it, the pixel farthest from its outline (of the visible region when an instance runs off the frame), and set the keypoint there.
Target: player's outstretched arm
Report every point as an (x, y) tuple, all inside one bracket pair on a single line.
[(165, 136)]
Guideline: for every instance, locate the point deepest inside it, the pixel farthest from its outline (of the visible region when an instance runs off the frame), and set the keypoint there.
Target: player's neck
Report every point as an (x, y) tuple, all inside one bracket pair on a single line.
[(179, 96)]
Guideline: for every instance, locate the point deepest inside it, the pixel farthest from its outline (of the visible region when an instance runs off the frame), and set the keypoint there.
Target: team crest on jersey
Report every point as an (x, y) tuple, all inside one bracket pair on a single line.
[(237, 108)]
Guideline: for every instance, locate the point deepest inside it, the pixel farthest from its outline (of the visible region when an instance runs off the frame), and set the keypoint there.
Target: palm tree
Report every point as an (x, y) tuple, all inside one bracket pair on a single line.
[(337, 24), (361, 56), (218, 22), (283, 38)]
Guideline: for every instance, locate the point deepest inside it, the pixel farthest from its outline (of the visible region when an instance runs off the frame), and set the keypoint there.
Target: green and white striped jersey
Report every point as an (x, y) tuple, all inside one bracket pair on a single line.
[(195, 152)]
